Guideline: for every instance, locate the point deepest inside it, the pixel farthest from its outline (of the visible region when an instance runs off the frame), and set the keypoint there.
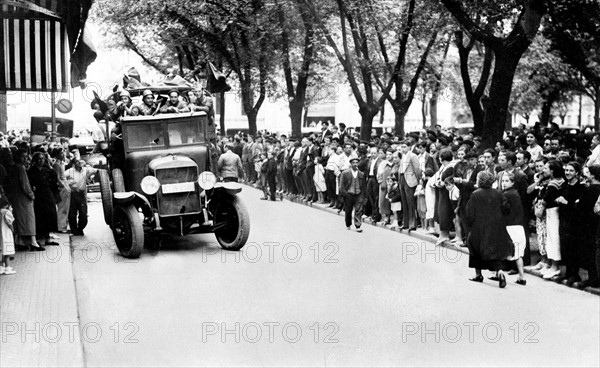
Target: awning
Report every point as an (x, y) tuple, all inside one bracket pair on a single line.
[(45, 45)]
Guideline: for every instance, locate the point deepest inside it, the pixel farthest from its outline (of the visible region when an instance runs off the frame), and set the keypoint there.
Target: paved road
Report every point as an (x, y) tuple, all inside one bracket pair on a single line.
[(307, 292)]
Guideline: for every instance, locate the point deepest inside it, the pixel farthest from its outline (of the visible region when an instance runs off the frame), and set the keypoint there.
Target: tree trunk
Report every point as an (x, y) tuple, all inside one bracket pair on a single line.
[(252, 122), (546, 112), (367, 113), (248, 104), (222, 113), (579, 114), (399, 125), (296, 109), (3, 112), (500, 88), (597, 110), (433, 101), (424, 111)]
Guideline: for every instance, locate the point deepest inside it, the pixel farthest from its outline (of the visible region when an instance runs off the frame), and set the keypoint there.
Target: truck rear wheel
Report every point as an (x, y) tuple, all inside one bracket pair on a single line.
[(233, 214), (128, 231), (106, 194)]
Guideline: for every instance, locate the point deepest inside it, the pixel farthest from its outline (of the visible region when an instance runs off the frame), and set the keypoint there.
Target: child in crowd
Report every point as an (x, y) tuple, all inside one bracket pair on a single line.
[(319, 179), (7, 248), (393, 195), (454, 193), (421, 202), (428, 182), (261, 167)]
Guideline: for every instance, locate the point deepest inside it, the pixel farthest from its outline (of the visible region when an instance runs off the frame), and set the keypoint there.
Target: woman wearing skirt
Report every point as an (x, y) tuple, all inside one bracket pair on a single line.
[(556, 173), (514, 223)]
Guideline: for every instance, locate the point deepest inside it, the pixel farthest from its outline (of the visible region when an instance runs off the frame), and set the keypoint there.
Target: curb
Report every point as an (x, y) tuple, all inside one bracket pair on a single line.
[(420, 236)]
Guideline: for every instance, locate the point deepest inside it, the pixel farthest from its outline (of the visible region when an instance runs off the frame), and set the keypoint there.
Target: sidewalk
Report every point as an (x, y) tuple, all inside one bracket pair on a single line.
[(422, 235), (39, 321)]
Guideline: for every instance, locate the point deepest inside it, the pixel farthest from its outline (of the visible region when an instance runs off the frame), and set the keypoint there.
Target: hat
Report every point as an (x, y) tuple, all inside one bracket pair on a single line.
[(147, 92), (125, 93), (174, 90), (354, 159)]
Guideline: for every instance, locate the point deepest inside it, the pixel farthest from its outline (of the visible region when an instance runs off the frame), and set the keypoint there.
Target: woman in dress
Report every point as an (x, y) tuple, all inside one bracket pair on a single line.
[(556, 173), (489, 243), (514, 222), (443, 214), (44, 184), (537, 189), (21, 197)]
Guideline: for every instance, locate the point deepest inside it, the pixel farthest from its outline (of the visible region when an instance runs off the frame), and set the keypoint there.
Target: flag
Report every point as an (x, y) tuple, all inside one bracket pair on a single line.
[(215, 80)]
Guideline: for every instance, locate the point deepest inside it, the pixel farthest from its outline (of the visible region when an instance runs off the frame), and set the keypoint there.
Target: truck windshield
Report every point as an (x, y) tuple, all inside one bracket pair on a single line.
[(145, 136), (187, 132)]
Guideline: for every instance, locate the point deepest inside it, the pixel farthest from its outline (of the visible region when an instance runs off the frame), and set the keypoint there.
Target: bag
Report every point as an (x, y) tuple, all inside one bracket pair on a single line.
[(539, 208)]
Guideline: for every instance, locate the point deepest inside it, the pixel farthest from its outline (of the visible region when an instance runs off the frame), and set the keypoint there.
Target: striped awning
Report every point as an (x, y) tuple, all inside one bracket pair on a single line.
[(44, 44), (36, 55)]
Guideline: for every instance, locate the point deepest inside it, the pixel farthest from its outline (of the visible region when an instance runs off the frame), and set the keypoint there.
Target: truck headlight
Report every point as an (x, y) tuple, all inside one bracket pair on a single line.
[(207, 180), (150, 185)]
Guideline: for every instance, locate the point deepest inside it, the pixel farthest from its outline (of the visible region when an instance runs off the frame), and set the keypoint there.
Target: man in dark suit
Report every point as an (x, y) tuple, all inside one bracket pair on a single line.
[(373, 185), (302, 168), (353, 187), (466, 186)]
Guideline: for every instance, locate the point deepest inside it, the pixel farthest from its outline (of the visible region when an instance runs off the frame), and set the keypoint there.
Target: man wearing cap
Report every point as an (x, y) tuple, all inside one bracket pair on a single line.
[(147, 107), (353, 189), (372, 185), (174, 105), (124, 106)]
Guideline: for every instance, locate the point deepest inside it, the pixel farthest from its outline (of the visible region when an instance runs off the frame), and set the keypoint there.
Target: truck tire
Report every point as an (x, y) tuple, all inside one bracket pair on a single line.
[(231, 211), (106, 194), (128, 231), (118, 180)]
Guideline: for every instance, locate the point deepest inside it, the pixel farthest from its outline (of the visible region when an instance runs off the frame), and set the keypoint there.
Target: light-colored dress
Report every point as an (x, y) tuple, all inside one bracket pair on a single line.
[(7, 247), (319, 178)]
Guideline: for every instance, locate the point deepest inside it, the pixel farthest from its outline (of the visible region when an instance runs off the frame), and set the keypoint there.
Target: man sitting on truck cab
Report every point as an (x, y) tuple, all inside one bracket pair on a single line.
[(174, 105)]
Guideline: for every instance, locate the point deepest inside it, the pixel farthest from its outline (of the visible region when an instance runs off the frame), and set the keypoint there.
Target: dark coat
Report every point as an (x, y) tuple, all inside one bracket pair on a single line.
[(467, 188), (489, 243), (346, 181), (513, 211), (44, 183)]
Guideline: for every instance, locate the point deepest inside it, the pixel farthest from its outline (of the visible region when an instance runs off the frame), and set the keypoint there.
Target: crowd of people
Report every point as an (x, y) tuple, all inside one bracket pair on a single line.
[(492, 199), (43, 190)]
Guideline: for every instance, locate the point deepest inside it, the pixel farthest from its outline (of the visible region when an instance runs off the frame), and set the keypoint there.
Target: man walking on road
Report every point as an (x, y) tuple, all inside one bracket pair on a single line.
[(230, 164), (353, 187), (77, 177)]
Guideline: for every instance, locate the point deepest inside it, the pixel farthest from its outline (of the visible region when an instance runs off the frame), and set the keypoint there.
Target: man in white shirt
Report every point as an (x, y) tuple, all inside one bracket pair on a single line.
[(77, 177), (594, 158)]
